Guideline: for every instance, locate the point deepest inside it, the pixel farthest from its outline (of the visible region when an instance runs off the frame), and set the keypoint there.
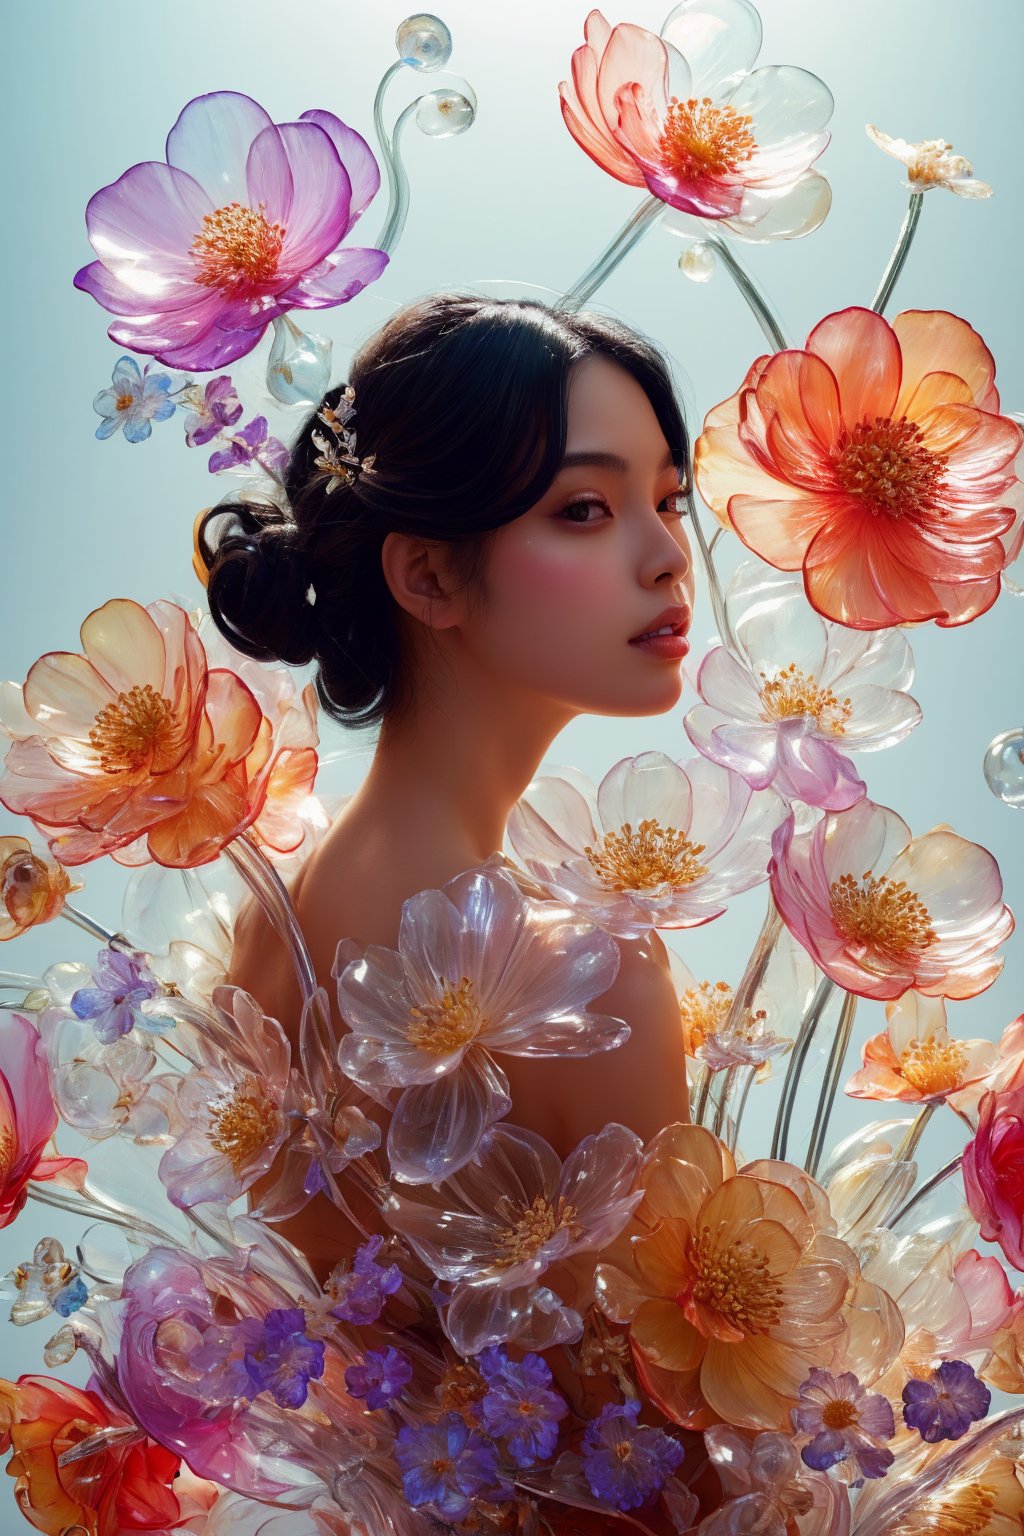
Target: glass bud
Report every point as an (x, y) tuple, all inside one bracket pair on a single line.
[(423, 41), (299, 365), (442, 113)]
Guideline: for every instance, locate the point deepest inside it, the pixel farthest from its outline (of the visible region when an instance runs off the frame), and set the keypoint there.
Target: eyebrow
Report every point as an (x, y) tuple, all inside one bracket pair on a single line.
[(607, 461)]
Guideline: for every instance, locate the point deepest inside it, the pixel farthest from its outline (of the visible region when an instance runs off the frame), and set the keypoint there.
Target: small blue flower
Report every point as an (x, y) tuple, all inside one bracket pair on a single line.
[(135, 400), (518, 1405), (944, 1405), (359, 1294), (382, 1375), (625, 1463), (447, 1465), (279, 1357), (846, 1422), (71, 1298), (121, 984)]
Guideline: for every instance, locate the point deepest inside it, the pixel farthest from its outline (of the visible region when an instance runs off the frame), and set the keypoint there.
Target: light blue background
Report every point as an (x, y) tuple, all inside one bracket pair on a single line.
[(90, 89)]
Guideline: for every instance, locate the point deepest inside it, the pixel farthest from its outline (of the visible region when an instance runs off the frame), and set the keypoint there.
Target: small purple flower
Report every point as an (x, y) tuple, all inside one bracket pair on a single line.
[(216, 407), (359, 1294), (944, 1405), (252, 445), (627, 1463), (121, 984), (518, 1405), (845, 1421), (134, 401), (279, 1356), (382, 1375), (447, 1465)]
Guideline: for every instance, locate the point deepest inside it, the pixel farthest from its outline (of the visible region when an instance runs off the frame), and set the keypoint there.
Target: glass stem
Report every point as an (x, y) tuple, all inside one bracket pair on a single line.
[(94, 929), (703, 1092), (386, 152), (724, 1095), (398, 181), (908, 1146), (753, 974), (791, 1082), (830, 1086), (748, 1082), (755, 299), (944, 1173), (643, 218), (96, 1207), (897, 260)]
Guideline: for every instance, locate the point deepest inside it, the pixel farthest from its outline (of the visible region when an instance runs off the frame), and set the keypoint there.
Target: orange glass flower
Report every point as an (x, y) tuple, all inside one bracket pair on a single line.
[(915, 1060), (875, 461), (32, 889), (735, 1285)]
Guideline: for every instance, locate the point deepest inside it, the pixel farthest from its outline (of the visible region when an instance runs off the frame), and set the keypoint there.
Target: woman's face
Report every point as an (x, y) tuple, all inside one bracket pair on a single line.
[(595, 563)]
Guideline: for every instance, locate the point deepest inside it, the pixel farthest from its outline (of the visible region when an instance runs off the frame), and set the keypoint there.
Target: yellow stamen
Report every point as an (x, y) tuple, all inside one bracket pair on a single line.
[(699, 139), (790, 694), (703, 1011), (129, 731), (237, 248), (934, 1066), (530, 1227), (966, 1509), (735, 1281), (882, 913), (652, 855), (243, 1122), (886, 465), (447, 1023)]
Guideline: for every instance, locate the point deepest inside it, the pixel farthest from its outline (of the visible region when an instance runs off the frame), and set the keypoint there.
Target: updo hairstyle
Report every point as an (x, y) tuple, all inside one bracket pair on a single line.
[(463, 400)]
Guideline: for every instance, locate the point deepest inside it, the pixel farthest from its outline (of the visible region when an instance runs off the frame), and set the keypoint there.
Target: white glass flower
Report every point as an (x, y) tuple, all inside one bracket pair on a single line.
[(931, 163)]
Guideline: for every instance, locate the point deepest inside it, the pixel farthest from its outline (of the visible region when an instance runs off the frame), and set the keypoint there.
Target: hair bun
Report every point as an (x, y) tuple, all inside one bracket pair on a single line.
[(258, 583)]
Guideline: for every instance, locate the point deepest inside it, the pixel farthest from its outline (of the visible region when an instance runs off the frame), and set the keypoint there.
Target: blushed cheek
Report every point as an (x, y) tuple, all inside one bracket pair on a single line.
[(557, 589)]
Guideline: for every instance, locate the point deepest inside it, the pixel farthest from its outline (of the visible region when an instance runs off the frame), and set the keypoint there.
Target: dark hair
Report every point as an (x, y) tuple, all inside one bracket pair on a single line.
[(463, 400)]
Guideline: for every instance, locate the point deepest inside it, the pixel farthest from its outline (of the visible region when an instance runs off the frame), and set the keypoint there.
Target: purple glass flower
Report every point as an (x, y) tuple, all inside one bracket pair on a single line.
[(113, 1004), (213, 408), (359, 1293), (134, 401), (279, 1357), (627, 1463), (844, 1421), (944, 1405), (447, 1465), (252, 445), (244, 222), (382, 1375), (518, 1405)]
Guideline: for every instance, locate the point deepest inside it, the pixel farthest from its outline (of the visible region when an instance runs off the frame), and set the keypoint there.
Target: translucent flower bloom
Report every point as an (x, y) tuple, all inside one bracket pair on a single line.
[(33, 888), (252, 444), (519, 1406), (48, 1282), (658, 845), (971, 1489), (945, 1404), (769, 1489), (136, 399), (915, 1060), (278, 1356), (381, 1376), (213, 408), (498, 1224), (245, 221), (712, 1037), (931, 163), (479, 969), (627, 1463), (358, 1294), (28, 1119), (845, 1423), (113, 1004), (881, 912), (874, 461), (447, 1465), (801, 695), (993, 1172), (731, 143)]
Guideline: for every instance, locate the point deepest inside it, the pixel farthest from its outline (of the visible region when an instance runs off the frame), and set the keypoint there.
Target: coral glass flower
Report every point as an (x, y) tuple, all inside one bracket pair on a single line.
[(881, 912), (731, 143), (876, 462), (28, 1118), (916, 1060), (245, 221), (32, 889)]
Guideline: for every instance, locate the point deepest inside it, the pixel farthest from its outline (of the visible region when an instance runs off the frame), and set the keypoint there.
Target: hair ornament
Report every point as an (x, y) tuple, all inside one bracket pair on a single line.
[(339, 459)]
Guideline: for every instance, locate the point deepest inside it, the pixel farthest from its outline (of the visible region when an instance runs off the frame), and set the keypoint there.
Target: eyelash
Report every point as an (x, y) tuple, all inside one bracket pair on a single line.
[(598, 501)]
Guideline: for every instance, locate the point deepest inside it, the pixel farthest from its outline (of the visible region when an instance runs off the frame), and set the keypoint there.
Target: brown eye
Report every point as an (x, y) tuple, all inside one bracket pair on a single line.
[(582, 505)]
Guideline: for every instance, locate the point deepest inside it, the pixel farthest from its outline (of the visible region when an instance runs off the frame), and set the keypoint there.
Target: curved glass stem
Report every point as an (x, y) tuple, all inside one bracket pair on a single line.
[(398, 208), (385, 151), (791, 1083), (724, 1095), (830, 1086), (700, 1104), (643, 218), (96, 1207), (94, 929), (897, 260), (908, 1146), (944, 1173), (753, 973), (755, 299), (750, 1078)]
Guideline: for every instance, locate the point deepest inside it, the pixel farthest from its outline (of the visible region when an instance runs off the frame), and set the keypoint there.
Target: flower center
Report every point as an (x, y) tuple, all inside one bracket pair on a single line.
[(652, 855), (704, 1010), (790, 694), (735, 1282), (881, 913), (840, 1413), (127, 732), (699, 139), (933, 165), (886, 465), (447, 1023), (934, 1066), (530, 1228), (242, 1123), (124, 402), (237, 248)]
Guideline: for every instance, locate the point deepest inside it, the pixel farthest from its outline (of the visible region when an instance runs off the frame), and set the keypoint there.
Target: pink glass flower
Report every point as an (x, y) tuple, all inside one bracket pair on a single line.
[(993, 1171), (799, 694), (658, 845), (28, 1119), (479, 969), (730, 143), (245, 221), (881, 912)]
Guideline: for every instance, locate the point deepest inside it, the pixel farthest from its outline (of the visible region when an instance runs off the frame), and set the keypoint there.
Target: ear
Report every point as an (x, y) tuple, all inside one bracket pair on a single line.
[(421, 580)]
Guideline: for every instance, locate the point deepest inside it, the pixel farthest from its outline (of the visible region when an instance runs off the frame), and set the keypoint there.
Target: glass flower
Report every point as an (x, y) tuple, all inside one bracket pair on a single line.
[(28, 1118), (730, 143), (881, 912), (800, 694), (447, 1465), (768, 1488), (278, 1355), (381, 1376), (498, 1224), (944, 1405), (113, 1003), (915, 1060), (971, 1489), (135, 400), (734, 1286), (252, 444), (49, 1282), (931, 163), (210, 410), (711, 1036), (519, 1406), (993, 1172), (874, 461), (358, 1294), (479, 969), (658, 845), (245, 221), (845, 1424), (627, 1463), (33, 888)]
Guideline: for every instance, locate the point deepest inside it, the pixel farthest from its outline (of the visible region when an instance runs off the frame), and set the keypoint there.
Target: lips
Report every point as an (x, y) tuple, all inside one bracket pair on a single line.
[(678, 616)]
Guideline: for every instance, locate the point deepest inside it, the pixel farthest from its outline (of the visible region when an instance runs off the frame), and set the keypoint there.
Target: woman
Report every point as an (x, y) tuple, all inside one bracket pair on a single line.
[(485, 581)]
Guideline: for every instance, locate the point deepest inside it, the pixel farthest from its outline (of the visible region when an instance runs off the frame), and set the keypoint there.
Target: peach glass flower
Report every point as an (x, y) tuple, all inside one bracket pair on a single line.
[(730, 143), (881, 912), (931, 163), (917, 1061), (736, 1286), (876, 462), (32, 889)]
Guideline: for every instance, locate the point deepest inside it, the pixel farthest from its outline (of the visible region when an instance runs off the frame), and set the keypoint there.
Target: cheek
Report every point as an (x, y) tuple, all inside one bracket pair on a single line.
[(556, 585)]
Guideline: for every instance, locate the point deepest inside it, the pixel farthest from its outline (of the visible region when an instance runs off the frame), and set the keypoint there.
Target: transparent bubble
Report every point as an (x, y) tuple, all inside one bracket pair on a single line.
[(1004, 767), (423, 41), (697, 262), (299, 365), (442, 113)]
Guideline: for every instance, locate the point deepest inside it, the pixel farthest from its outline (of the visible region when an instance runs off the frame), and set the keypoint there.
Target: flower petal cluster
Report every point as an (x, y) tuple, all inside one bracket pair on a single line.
[(881, 911), (252, 444), (768, 1488), (381, 1376), (519, 1406), (479, 969), (245, 221), (931, 163), (358, 1294), (446, 1465), (48, 1282), (731, 143), (134, 401), (213, 408), (33, 888), (278, 1356), (658, 844), (627, 1463), (945, 1404), (113, 1003), (28, 1118), (875, 462), (915, 1060), (993, 1172), (845, 1423)]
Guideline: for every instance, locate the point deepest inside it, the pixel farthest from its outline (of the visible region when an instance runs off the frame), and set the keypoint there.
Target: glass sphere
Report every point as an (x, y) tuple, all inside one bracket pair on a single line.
[(1004, 767), (423, 41), (442, 113), (697, 262)]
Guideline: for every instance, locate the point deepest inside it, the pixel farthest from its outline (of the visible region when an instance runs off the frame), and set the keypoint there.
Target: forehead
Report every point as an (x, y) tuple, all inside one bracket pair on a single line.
[(604, 395)]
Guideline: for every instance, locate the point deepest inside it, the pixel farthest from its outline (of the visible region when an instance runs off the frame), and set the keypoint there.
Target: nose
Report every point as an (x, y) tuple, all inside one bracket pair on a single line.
[(666, 560)]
